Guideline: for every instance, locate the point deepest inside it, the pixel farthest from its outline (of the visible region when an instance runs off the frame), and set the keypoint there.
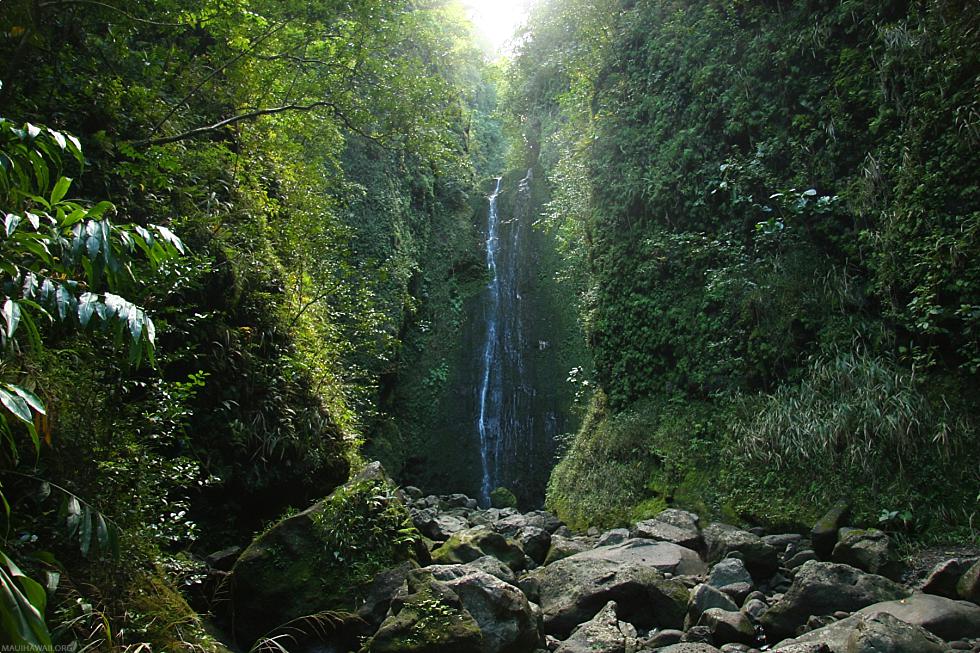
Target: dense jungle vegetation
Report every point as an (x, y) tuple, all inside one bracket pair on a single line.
[(240, 237)]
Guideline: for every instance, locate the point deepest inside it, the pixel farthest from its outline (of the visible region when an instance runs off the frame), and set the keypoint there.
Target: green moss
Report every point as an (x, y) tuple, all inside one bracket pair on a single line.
[(501, 497)]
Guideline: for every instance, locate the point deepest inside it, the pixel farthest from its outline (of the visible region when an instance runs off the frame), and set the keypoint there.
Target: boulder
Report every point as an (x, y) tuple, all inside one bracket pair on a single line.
[(535, 541), (614, 536), (780, 541), (866, 549), (501, 611), (676, 526), (760, 558), (824, 532), (968, 587), (472, 543), (865, 634), (377, 599), (563, 547), (704, 597), (822, 588), (661, 638), (572, 590), (503, 498), (943, 578), (295, 568), (663, 556), (800, 558), (604, 633), (543, 519), (494, 567), (438, 526), (731, 577), (944, 617), (728, 626), (884, 633), (427, 618), (689, 647)]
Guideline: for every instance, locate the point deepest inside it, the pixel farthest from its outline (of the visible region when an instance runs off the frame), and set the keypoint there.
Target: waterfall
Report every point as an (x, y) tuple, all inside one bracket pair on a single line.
[(505, 414), (488, 418)]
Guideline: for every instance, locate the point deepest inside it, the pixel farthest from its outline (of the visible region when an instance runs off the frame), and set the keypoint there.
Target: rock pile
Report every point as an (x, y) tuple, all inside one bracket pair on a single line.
[(502, 581)]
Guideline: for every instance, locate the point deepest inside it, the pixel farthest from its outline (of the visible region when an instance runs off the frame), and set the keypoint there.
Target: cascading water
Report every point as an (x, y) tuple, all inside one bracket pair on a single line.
[(505, 410), (488, 419)]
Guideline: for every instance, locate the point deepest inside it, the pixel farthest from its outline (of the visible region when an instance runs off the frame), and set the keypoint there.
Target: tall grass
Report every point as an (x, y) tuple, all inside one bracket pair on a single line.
[(860, 410)]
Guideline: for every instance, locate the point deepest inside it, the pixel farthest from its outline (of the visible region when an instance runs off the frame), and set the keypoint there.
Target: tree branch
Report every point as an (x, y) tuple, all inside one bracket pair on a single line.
[(269, 32), (250, 115)]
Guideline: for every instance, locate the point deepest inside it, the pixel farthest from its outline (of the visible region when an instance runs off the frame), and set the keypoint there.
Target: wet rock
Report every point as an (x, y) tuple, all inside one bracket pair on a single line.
[(822, 588), (472, 543), (944, 617), (824, 533), (727, 626), (723, 540), (754, 608), (697, 634), (604, 633), (866, 549)]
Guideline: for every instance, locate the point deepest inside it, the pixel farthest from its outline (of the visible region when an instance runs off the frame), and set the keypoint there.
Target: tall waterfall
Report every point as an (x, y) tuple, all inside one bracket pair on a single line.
[(505, 412)]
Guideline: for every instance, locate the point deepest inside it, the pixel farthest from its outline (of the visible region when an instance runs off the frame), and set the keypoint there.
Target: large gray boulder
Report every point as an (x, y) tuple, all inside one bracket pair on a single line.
[(604, 633), (675, 526), (535, 541), (866, 549), (731, 577), (822, 588), (663, 556), (704, 597), (572, 590), (438, 526), (723, 539), (944, 617), (501, 611), (861, 633)]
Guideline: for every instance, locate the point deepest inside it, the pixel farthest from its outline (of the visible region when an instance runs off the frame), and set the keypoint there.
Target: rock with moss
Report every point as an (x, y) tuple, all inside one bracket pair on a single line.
[(866, 549), (472, 543), (428, 618), (320, 558), (824, 532), (503, 498), (457, 608)]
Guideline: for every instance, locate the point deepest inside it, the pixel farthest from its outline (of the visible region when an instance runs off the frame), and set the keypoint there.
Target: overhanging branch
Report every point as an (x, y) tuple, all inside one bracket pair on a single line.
[(251, 115)]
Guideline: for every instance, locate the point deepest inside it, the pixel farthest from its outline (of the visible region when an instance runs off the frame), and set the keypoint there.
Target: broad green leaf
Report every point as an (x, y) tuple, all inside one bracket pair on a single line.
[(22, 605), (86, 307), (16, 405), (11, 314), (60, 189), (28, 396), (136, 320)]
